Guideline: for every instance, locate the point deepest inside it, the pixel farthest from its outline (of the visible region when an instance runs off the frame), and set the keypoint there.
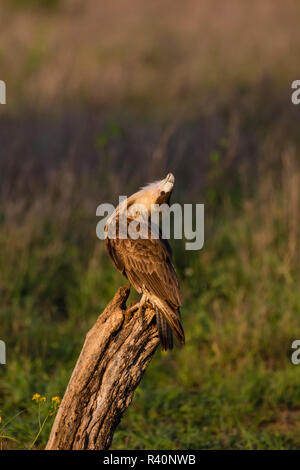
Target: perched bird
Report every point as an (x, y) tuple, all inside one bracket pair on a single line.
[(147, 261)]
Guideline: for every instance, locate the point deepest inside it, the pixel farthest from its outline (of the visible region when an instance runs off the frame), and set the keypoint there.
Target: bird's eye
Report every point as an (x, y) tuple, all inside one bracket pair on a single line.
[(162, 193)]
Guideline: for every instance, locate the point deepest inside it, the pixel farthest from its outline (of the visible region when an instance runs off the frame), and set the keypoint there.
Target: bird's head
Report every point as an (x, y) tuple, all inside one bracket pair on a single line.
[(164, 189), (147, 199)]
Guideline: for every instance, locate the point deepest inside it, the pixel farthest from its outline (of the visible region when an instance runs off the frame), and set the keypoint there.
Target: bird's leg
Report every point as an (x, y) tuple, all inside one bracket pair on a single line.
[(149, 305), (132, 309), (145, 303), (140, 306), (142, 303), (129, 312)]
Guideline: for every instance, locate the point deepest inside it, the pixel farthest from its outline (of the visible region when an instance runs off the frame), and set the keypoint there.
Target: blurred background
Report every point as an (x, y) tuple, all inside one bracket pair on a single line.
[(103, 97)]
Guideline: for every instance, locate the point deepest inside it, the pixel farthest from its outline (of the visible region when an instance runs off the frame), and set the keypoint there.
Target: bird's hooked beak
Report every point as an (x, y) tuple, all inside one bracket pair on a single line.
[(165, 189), (168, 183)]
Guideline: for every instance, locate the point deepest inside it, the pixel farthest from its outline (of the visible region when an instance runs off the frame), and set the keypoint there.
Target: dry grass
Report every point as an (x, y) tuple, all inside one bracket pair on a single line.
[(157, 55)]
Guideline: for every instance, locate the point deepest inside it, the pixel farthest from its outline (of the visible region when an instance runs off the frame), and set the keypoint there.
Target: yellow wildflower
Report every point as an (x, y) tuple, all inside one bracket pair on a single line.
[(36, 397), (56, 400)]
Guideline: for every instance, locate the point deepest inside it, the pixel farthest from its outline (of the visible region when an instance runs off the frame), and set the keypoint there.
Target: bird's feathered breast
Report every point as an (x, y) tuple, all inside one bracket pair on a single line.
[(147, 263)]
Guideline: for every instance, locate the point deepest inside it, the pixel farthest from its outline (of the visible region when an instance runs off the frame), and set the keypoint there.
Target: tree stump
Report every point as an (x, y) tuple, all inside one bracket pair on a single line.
[(112, 362)]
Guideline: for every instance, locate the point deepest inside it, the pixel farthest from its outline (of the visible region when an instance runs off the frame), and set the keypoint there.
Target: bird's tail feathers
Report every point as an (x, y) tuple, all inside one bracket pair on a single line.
[(164, 331), (168, 320)]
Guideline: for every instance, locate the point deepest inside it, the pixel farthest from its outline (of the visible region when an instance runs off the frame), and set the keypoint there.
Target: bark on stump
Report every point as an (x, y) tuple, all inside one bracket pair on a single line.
[(112, 362)]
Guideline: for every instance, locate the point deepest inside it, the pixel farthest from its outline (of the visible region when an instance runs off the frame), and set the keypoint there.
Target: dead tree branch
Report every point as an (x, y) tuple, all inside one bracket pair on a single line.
[(112, 362)]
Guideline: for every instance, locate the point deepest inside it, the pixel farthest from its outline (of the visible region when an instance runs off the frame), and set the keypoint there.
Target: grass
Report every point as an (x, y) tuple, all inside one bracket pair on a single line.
[(161, 58), (232, 385)]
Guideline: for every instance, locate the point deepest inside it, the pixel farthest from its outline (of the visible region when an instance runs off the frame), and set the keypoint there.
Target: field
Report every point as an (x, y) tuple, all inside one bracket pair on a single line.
[(120, 95)]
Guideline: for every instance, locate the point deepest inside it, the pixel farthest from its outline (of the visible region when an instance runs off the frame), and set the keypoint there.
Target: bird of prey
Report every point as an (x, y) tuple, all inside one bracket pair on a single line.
[(147, 261)]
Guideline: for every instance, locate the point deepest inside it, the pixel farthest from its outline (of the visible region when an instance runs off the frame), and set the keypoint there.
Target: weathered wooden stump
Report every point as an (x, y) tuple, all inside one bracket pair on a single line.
[(112, 362)]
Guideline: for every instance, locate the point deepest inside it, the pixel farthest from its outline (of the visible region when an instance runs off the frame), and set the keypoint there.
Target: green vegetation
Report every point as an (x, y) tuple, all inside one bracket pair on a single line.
[(231, 386)]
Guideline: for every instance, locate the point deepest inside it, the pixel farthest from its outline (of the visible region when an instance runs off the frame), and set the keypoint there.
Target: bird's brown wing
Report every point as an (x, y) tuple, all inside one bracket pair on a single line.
[(148, 265), (115, 254)]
